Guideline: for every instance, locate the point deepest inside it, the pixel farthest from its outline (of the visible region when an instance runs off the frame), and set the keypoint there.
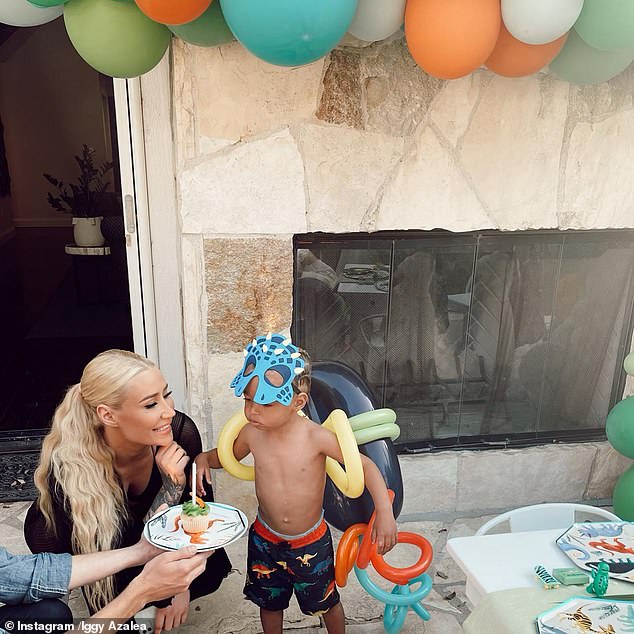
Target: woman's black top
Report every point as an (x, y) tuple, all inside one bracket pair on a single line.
[(42, 539)]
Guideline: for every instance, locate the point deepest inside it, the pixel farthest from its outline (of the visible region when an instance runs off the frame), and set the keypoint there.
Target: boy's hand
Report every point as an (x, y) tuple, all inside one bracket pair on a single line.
[(202, 471), (385, 532)]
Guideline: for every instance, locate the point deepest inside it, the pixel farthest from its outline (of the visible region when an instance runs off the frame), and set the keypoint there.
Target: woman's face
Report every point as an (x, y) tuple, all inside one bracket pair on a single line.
[(145, 416)]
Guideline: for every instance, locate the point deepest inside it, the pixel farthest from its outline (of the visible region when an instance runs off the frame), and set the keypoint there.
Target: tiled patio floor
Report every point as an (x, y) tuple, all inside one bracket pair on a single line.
[(226, 612)]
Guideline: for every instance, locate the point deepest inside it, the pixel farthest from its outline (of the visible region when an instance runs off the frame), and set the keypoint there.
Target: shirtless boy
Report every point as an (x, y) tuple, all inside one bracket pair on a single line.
[(290, 548)]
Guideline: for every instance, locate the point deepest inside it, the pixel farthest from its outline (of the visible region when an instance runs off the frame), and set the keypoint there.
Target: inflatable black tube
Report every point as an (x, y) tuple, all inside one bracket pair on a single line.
[(336, 386)]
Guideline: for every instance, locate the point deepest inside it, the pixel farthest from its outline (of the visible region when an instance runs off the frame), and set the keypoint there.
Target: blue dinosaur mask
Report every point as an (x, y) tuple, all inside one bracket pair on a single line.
[(276, 362)]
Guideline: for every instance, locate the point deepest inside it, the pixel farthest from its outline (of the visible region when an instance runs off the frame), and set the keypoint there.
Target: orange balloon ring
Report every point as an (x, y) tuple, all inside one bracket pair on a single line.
[(403, 576), (350, 553), (347, 552)]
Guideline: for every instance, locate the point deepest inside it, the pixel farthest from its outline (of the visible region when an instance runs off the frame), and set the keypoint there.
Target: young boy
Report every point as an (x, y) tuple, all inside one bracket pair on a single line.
[(290, 548)]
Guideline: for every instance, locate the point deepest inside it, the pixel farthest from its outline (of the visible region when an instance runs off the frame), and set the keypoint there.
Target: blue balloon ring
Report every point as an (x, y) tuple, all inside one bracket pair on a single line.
[(394, 615), (392, 598)]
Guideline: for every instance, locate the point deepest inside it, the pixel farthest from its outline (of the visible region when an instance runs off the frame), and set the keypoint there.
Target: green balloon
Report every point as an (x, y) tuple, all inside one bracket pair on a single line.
[(607, 24), (628, 364), (623, 496), (579, 63), (114, 37), (619, 427), (47, 3), (210, 29)]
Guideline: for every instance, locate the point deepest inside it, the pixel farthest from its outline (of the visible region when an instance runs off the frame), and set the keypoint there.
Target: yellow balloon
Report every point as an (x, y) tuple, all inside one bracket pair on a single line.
[(228, 460), (349, 481)]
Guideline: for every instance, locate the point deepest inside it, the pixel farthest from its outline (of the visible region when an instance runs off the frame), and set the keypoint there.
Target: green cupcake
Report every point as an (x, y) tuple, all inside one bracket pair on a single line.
[(195, 516)]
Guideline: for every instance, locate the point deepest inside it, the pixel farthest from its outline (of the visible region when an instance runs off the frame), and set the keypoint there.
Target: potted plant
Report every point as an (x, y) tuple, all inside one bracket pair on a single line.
[(83, 198)]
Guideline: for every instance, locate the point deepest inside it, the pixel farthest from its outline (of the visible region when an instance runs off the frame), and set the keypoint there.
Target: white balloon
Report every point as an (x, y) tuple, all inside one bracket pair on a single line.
[(23, 13), (540, 21), (377, 19)]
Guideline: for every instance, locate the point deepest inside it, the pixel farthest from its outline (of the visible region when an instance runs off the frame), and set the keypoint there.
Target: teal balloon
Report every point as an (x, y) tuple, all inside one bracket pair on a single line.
[(210, 29), (115, 37), (289, 32), (47, 3), (623, 496), (628, 364), (619, 427), (579, 63), (607, 24)]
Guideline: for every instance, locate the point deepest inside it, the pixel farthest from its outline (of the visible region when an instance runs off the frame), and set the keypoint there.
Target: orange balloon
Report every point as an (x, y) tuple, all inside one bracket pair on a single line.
[(402, 576), (451, 38), (173, 12), (512, 58), (347, 552)]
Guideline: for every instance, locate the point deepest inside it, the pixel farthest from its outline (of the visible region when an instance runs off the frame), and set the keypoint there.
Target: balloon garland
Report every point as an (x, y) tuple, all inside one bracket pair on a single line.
[(583, 41)]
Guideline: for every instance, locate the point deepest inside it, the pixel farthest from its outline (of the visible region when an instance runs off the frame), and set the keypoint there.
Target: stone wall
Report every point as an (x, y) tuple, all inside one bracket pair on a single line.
[(365, 141)]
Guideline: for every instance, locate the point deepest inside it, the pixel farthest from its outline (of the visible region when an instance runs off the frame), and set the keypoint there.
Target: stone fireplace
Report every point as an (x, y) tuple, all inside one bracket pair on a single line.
[(364, 141)]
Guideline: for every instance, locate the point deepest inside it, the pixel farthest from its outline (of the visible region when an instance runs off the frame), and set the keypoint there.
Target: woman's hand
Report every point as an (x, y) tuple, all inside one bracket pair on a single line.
[(172, 460), (174, 615)]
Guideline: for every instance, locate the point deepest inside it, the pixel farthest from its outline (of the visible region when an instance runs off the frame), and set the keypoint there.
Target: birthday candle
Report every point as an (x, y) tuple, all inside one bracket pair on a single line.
[(194, 483)]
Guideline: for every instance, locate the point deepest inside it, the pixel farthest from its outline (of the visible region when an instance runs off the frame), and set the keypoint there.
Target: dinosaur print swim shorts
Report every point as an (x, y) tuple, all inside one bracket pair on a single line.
[(278, 565)]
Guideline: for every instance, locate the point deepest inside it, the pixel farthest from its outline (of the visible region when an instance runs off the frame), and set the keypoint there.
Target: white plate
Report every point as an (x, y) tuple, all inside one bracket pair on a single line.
[(590, 543), (227, 525), (587, 614)]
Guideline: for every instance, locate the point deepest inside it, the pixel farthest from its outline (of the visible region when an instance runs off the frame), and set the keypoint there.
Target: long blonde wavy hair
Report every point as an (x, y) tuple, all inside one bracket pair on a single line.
[(76, 460)]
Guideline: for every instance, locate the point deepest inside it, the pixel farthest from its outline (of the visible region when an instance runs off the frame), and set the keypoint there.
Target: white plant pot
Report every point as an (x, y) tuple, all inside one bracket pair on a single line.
[(87, 232)]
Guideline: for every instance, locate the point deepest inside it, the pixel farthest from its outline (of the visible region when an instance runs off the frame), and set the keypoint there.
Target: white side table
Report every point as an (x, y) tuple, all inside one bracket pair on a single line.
[(505, 561)]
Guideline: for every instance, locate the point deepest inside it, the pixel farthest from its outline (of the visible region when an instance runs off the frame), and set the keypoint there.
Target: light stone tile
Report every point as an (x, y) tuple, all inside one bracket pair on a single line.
[(194, 312), (221, 369), (454, 105), (249, 289), (13, 539), (251, 188), (438, 624), (608, 467), (436, 601), (344, 169), (592, 202), (183, 103), (520, 477), (512, 149), (466, 526), (430, 482), (13, 510), (446, 566), (599, 101), (429, 190), (235, 95)]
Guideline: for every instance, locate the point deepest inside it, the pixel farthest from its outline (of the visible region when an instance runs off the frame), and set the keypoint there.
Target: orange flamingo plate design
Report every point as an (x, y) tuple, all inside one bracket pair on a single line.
[(225, 525)]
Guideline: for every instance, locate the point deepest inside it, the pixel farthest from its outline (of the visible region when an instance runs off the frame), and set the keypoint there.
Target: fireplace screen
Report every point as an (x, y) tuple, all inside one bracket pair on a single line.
[(474, 339)]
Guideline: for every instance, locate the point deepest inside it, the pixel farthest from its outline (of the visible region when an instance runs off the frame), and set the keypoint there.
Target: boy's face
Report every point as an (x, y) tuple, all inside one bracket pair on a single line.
[(273, 415)]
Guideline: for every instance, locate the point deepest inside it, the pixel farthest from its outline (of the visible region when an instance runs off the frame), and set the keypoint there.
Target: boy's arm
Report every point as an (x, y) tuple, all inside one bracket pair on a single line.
[(207, 460), (385, 531)]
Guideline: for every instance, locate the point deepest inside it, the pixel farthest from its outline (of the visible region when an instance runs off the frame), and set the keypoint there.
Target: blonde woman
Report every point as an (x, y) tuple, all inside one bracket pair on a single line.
[(116, 451)]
